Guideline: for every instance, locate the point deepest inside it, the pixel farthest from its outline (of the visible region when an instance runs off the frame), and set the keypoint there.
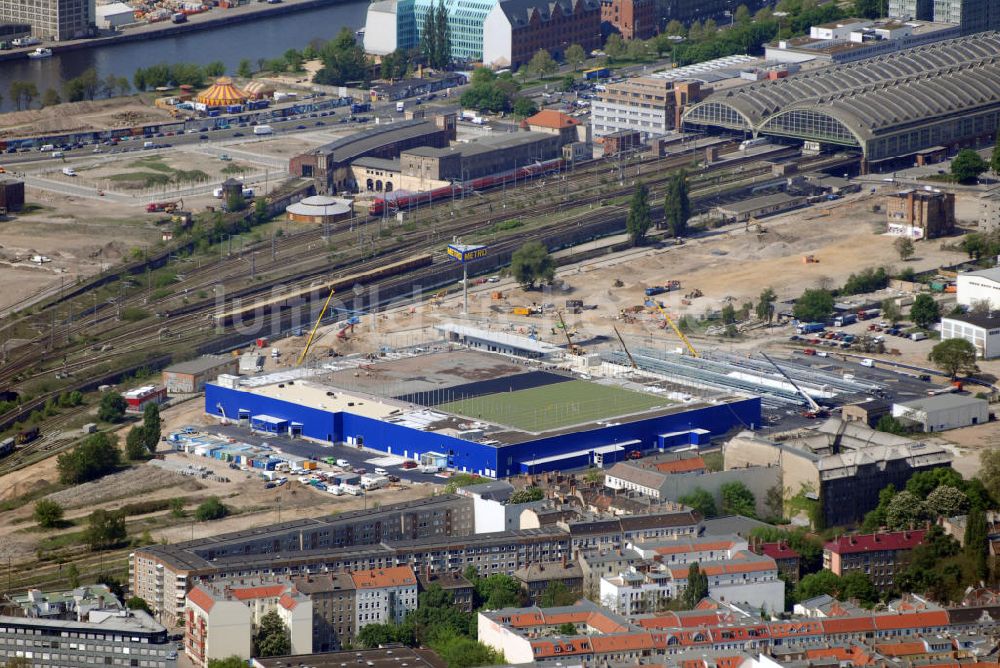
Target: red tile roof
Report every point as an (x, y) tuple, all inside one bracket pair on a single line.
[(394, 576), (682, 465), (894, 540), (550, 118), (901, 648), (262, 591), (930, 619), (778, 551), (201, 598), (287, 601), (834, 626)]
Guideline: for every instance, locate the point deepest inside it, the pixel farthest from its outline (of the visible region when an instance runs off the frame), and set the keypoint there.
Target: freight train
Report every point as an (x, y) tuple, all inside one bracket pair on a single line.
[(399, 200), (276, 305)]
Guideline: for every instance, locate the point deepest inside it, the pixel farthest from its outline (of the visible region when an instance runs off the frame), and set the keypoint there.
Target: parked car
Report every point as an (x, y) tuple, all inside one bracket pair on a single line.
[(409, 464)]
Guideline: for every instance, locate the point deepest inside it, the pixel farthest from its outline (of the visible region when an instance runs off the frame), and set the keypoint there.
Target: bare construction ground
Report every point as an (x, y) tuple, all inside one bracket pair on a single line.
[(118, 112)]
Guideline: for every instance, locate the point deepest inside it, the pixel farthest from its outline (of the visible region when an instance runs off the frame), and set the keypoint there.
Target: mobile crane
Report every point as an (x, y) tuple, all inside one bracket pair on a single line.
[(815, 410), (676, 329)]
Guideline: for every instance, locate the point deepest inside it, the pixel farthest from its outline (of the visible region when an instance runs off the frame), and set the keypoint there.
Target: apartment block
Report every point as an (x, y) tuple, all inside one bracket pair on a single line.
[(535, 578), (880, 556), (649, 105), (384, 595), (333, 605), (633, 19), (515, 30)]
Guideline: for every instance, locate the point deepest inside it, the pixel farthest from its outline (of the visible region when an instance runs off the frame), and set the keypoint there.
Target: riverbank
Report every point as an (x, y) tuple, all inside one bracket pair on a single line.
[(214, 18)]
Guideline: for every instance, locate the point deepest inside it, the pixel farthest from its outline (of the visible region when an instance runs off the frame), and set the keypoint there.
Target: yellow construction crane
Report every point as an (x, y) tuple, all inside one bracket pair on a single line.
[(312, 334), (570, 346), (677, 331)]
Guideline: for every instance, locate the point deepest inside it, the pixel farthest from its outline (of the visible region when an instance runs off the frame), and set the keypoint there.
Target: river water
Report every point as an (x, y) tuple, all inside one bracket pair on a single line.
[(266, 37)]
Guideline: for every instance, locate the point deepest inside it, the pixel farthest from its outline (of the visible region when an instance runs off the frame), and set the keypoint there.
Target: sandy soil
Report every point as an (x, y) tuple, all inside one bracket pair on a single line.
[(78, 116)]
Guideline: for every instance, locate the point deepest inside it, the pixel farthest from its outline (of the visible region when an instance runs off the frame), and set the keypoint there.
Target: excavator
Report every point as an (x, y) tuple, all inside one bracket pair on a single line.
[(676, 329), (815, 410)]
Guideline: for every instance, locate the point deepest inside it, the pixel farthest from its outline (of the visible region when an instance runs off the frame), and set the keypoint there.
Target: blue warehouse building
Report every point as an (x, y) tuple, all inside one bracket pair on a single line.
[(412, 415)]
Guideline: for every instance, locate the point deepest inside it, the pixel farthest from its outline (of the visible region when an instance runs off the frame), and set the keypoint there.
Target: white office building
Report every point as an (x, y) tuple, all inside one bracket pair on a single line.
[(982, 331)]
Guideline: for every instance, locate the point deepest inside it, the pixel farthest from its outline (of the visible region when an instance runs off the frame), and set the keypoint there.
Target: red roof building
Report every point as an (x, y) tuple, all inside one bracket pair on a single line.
[(880, 556), (787, 559)]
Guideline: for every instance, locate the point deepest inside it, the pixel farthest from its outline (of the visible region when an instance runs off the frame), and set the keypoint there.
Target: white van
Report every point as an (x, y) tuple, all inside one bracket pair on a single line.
[(47, 147), (400, 107), (430, 468), (343, 463), (69, 171), (217, 193), (263, 130), (868, 362), (918, 336)]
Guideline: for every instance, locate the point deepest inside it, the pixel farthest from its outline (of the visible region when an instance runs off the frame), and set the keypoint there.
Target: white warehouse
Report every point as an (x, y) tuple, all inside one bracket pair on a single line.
[(944, 411), (975, 287), (982, 331)]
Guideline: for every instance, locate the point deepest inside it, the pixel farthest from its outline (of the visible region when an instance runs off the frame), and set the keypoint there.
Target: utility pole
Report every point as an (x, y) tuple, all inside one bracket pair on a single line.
[(273, 256)]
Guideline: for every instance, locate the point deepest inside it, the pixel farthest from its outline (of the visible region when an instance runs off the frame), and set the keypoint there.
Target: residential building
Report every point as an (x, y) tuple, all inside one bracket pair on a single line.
[(651, 106), (535, 578), (384, 595), (982, 331), (515, 30), (976, 288), (191, 376), (920, 214), (657, 480), (688, 550), (943, 412), (596, 564), (844, 467), (787, 559), (101, 637), (220, 617), (57, 20), (632, 19), (866, 412), (333, 607), (462, 591), (880, 556)]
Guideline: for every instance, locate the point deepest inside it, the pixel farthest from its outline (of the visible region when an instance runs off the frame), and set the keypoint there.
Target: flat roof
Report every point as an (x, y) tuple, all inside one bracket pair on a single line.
[(200, 364), (332, 399), (992, 274), (755, 203), (943, 402), (602, 450), (976, 320), (389, 657), (502, 338)]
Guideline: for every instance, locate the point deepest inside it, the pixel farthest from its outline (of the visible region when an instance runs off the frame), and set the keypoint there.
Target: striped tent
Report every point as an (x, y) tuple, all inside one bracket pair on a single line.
[(221, 93)]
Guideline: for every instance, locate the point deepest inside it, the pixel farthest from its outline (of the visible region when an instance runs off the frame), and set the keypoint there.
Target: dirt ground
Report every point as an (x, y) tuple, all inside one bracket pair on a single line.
[(82, 116)]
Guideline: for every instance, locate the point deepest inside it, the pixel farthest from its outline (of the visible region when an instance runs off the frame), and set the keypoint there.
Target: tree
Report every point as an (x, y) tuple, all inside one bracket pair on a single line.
[(498, 591), (575, 56), (344, 61), (976, 541), (211, 509), (47, 513), (214, 69), (925, 311), (639, 221), (890, 425), (953, 356), (814, 305), (728, 314), (524, 107), (995, 156), (138, 603), (869, 9), (566, 83), (442, 57), (923, 483), (615, 46), (244, 70), (177, 507), (526, 495), (742, 15), (73, 576), (428, 37), (967, 166), (151, 426), (737, 499), (17, 662), (765, 303), (135, 444), (272, 637), (677, 204), (531, 264), (394, 65), (904, 511), (93, 458), (104, 529), (890, 311), (675, 29), (904, 247), (989, 471), (51, 98), (557, 594), (697, 587), (947, 501), (376, 635), (542, 64), (637, 49), (700, 500), (112, 407), (856, 586), (566, 629), (662, 44), (817, 584), (228, 662)]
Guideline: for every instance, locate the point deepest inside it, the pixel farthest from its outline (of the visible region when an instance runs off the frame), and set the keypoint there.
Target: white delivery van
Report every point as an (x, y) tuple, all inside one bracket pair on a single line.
[(263, 130), (69, 171), (343, 463), (868, 362)]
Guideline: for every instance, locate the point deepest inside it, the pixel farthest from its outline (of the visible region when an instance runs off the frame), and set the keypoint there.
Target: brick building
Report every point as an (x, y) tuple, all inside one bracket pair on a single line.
[(880, 556), (634, 19), (515, 30), (920, 214)]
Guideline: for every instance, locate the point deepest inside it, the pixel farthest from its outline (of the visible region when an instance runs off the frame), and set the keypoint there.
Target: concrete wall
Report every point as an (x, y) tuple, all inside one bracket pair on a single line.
[(769, 595), (797, 470), (496, 39), (380, 30), (758, 479), (515, 648)]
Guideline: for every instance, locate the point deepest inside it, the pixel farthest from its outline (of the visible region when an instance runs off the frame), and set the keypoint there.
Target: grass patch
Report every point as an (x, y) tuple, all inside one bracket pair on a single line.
[(153, 162), (713, 460), (554, 406), (141, 179), (69, 539), (235, 169), (190, 175), (34, 495), (134, 314)]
